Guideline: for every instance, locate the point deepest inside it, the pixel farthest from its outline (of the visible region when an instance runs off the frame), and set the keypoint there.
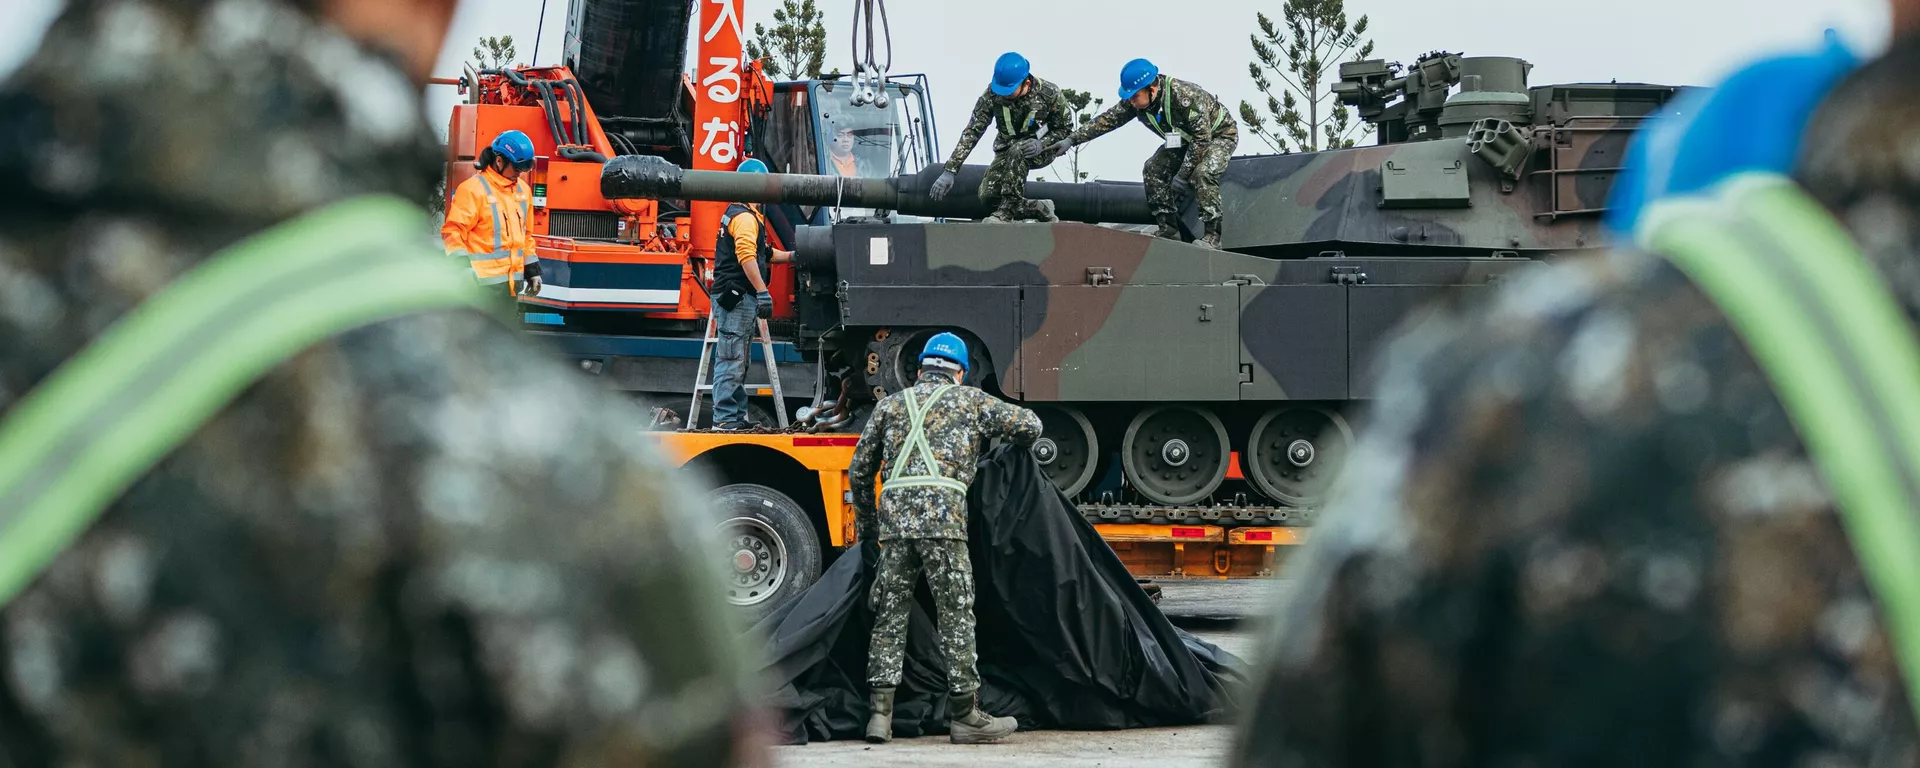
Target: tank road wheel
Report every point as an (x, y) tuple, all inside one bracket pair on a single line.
[(1293, 454), (772, 553), (1175, 454), (883, 366), (893, 358), (1067, 449)]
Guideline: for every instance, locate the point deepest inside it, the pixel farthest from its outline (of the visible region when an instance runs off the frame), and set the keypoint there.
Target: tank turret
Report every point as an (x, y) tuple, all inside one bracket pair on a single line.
[(1491, 88)]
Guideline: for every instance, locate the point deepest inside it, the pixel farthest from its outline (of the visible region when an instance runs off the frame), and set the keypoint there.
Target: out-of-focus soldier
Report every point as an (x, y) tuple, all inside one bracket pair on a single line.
[(411, 542), (1585, 526)]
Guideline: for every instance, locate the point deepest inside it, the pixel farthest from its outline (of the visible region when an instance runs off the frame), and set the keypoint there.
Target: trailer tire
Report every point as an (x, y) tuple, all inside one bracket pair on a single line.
[(772, 552)]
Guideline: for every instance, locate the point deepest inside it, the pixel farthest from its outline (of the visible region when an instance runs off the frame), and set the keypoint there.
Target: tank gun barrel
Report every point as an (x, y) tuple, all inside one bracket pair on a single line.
[(653, 178)]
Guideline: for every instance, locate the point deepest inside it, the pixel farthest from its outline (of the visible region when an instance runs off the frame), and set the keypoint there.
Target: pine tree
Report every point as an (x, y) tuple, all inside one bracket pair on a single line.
[(1305, 56), (796, 47), (489, 53), (1085, 107), (495, 52)]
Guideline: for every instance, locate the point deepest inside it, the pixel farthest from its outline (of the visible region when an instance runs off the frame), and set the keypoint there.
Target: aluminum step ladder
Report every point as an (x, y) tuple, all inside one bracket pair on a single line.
[(703, 382)]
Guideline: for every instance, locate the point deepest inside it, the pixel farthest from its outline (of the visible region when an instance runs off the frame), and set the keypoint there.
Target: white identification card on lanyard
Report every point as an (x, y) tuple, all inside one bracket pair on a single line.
[(1173, 141)]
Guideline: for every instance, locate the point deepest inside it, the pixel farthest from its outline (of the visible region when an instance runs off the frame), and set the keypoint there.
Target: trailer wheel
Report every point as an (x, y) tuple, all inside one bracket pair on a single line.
[(772, 553)]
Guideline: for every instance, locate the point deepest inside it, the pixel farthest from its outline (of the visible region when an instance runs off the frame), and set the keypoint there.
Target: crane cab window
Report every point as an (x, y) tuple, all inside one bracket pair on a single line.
[(868, 141)]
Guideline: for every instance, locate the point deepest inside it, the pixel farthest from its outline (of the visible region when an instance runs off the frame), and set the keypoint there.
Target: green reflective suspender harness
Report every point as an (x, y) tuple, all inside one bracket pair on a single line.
[(916, 445), (1007, 124), (1840, 355), (107, 415), (1166, 115)]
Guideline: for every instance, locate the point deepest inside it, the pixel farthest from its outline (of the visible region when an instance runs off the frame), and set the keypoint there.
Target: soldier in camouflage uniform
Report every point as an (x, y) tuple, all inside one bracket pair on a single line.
[(1023, 109), (1582, 530), (399, 548), (926, 438), (1200, 135)]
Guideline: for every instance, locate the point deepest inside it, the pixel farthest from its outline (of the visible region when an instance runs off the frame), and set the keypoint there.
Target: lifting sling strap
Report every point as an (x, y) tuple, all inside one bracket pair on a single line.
[(916, 446), (1839, 353), (109, 414)]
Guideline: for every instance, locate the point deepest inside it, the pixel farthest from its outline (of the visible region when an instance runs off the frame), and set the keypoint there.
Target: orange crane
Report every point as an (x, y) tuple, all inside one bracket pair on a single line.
[(626, 255)]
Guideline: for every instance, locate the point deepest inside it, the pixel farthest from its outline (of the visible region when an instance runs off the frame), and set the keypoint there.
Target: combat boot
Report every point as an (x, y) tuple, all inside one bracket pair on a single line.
[(1212, 237), (1005, 213), (880, 718), (968, 724), (1169, 226), (1042, 211)]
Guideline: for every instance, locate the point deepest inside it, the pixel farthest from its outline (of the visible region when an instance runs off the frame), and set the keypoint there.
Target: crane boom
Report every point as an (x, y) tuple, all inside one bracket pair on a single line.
[(629, 54)]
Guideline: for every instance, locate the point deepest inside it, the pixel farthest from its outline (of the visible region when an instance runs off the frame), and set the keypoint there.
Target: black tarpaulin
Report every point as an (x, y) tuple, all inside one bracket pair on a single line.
[(1066, 637)]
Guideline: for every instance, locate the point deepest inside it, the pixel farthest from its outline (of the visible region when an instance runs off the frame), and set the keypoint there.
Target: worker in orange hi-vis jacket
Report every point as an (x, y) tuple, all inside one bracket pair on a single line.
[(487, 218)]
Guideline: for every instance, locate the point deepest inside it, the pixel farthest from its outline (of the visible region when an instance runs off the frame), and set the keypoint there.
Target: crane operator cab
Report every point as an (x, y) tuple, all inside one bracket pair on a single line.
[(817, 127)]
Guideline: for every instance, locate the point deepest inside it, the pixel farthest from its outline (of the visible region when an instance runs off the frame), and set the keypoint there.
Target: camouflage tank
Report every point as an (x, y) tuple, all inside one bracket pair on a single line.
[(1155, 363)]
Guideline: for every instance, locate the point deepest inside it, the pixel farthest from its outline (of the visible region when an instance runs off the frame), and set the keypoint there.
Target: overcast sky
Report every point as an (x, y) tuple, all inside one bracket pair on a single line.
[(1082, 43)]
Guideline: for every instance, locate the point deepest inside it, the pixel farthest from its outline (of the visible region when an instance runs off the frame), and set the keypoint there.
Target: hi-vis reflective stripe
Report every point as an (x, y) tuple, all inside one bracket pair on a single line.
[(1840, 354), (916, 445), (1006, 120), (1164, 122), (109, 414), (501, 263)]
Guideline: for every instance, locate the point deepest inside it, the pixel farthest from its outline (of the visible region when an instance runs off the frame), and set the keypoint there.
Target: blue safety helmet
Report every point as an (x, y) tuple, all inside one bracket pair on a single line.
[(515, 147), (1009, 72), (1755, 120), (946, 346), (1137, 74), (751, 165)]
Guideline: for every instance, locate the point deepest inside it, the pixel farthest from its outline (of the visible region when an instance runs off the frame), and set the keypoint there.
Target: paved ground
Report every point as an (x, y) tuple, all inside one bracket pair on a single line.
[(1212, 608), (1197, 603), (1147, 747)]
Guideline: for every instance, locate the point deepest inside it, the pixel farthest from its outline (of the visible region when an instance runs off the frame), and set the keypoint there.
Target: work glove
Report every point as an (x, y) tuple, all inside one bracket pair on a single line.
[(531, 287), (941, 186), (763, 305), (1029, 148), (1061, 146), (1182, 188)]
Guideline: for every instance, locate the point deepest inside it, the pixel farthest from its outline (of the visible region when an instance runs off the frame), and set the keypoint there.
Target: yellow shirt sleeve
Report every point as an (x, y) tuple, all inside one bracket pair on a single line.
[(746, 238)]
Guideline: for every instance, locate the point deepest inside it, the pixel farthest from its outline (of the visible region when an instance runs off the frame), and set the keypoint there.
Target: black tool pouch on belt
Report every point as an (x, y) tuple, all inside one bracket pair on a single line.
[(730, 298)]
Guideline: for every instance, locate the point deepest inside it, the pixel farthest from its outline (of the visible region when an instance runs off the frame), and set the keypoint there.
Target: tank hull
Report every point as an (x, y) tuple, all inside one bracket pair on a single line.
[(1181, 383)]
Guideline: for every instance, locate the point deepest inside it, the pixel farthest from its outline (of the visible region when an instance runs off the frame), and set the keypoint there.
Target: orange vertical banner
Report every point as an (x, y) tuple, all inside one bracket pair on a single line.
[(717, 109)]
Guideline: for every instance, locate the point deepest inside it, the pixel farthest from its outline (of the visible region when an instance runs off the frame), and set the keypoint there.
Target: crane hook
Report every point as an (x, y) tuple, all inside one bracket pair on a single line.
[(869, 76)]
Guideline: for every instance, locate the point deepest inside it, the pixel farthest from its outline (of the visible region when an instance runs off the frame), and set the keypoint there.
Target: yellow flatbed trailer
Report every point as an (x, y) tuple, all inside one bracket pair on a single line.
[(788, 505)]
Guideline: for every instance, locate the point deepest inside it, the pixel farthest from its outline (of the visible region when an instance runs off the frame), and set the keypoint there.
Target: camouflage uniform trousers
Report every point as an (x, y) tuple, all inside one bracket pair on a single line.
[(950, 578), (1005, 185), (1158, 175)]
